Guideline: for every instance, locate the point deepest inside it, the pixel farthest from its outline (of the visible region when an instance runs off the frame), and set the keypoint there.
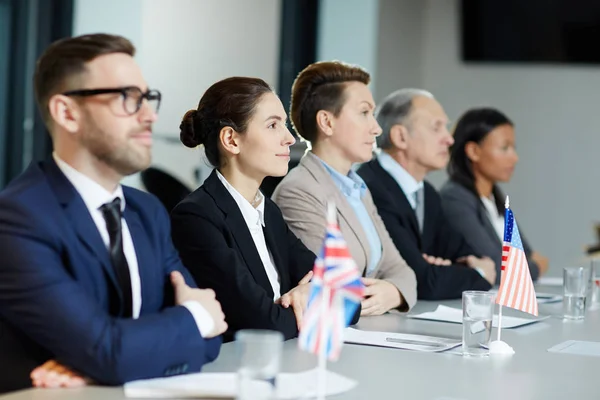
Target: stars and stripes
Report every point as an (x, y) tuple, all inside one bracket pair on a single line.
[(336, 292), (516, 286)]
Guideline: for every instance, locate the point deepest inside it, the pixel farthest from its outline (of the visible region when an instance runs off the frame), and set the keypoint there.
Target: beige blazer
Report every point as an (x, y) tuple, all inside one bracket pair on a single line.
[(302, 196)]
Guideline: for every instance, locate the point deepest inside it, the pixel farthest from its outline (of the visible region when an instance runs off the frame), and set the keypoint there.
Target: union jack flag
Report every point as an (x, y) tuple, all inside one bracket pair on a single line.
[(516, 286), (336, 292)]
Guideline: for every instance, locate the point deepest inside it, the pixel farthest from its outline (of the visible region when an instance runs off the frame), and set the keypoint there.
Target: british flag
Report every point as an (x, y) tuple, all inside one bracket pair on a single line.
[(516, 286), (336, 292)]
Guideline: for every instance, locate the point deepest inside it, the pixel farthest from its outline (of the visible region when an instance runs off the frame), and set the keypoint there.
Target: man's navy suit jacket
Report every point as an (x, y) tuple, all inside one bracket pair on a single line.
[(59, 294)]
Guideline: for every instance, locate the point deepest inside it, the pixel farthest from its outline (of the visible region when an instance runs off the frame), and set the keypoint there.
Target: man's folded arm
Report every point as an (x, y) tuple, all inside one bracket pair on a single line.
[(40, 298)]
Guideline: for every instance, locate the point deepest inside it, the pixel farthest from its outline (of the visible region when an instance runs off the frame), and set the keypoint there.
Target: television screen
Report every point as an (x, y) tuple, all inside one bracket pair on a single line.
[(538, 31)]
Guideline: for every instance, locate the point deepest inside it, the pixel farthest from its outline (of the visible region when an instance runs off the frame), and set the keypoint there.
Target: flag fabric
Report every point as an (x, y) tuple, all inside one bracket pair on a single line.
[(336, 292), (516, 286)]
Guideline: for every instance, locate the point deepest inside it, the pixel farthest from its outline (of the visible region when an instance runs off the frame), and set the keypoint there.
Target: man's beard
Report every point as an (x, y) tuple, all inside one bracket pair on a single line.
[(120, 155)]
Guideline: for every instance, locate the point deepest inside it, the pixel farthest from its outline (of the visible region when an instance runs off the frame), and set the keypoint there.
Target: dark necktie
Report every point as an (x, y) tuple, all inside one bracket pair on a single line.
[(112, 215), (420, 207)]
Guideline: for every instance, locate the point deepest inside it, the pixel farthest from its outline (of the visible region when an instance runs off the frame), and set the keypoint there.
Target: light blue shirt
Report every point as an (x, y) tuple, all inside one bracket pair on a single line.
[(407, 183), (354, 188)]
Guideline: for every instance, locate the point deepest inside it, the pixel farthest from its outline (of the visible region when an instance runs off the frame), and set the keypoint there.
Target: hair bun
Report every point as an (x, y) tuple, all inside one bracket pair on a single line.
[(187, 131)]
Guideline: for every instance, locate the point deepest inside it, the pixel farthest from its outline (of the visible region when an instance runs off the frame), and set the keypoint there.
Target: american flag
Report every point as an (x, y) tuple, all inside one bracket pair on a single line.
[(336, 292), (516, 286)]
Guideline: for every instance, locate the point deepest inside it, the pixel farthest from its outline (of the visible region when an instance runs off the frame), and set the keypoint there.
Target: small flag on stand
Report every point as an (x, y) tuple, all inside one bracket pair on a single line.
[(336, 292), (516, 286)]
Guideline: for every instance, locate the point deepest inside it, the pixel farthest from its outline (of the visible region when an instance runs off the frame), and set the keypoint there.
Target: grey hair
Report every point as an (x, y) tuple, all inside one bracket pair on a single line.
[(395, 109)]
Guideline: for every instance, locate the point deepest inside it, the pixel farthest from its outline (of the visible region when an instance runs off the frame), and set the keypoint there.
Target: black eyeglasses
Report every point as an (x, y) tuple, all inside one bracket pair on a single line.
[(132, 96)]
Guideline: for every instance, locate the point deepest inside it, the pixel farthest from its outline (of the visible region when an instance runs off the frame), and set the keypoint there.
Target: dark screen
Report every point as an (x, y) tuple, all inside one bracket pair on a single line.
[(541, 31)]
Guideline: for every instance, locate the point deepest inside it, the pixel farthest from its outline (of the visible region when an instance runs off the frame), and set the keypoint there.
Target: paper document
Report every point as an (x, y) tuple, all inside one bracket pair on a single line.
[(400, 340), (224, 385), (550, 280), (448, 314), (543, 298), (577, 347)]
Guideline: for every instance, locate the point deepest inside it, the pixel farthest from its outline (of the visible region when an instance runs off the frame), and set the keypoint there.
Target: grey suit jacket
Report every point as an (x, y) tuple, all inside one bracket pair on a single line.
[(466, 213), (302, 197)]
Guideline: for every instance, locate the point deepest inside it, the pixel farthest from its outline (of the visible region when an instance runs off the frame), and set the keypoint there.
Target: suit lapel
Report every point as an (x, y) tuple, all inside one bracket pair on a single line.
[(87, 231), (239, 230), (83, 224), (317, 169), (390, 184)]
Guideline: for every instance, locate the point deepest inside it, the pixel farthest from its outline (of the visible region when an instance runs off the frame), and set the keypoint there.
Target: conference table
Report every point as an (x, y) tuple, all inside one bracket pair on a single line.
[(388, 373)]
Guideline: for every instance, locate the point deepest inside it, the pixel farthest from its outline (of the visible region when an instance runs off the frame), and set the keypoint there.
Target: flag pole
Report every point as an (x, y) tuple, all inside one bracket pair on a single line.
[(326, 293), (499, 322), (506, 207), (322, 367), (498, 346)]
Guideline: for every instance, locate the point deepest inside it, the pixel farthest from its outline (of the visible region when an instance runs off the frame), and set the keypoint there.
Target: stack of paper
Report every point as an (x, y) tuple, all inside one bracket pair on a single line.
[(224, 385), (448, 314), (400, 340)]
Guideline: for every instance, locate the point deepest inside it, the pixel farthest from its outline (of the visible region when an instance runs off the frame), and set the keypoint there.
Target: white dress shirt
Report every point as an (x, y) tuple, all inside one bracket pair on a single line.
[(94, 196), (407, 183), (495, 217), (255, 220)]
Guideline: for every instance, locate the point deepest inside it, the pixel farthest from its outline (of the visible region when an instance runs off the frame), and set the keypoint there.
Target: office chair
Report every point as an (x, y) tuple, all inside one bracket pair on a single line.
[(169, 190)]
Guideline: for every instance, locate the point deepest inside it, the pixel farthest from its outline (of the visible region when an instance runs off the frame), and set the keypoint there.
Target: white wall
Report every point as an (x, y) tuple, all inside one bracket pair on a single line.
[(347, 31), (191, 44), (109, 16), (184, 46), (400, 46), (554, 192)]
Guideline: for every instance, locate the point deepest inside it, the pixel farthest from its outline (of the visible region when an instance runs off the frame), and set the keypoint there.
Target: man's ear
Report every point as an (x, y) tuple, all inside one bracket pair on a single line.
[(399, 136), (65, 112)]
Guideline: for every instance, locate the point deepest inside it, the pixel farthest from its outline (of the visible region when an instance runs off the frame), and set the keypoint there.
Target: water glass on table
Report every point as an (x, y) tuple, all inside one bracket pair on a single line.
[(478, 313), (259, 354), (575, 289)]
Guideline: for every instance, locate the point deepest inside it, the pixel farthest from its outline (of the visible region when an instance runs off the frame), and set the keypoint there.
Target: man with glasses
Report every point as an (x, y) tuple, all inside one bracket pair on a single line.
[(414, 142), (91, 286)]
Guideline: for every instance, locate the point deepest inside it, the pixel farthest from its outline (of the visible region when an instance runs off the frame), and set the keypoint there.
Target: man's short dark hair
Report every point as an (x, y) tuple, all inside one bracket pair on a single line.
[(63, 63)]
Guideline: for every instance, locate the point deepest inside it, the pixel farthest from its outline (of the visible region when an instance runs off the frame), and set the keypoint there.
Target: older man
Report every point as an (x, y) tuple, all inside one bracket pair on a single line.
[(415, 141)]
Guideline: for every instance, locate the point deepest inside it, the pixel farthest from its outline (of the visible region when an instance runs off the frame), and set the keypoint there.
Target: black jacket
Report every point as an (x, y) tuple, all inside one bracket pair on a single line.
[(437, 239), (468, 216), (215, 244)]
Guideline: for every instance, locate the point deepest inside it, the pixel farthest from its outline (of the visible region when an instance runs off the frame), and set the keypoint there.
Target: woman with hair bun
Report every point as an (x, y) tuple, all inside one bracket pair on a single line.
[(230, 236)]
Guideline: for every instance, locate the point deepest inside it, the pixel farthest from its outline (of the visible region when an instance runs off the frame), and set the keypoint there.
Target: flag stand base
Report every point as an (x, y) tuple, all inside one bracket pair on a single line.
[(498, 347)]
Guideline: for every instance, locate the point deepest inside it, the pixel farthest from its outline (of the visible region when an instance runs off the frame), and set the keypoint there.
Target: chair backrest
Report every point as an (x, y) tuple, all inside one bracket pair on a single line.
[(169, 190)]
